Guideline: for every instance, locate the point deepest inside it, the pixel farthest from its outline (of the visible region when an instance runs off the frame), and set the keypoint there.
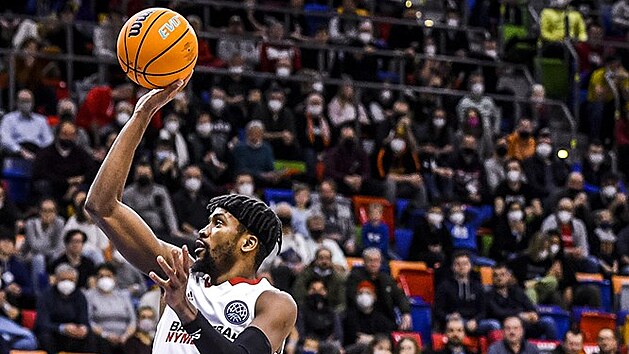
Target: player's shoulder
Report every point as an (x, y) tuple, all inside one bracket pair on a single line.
[(274, 300)]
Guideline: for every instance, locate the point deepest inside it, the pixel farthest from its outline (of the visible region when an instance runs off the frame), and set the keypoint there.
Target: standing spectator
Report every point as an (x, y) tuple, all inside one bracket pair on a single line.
[(229, 47), (522, 142), (73, 256), (344, 28), (489, 113), (514, 341), (592, 52), (456, 42), (607, 342), (111, 314), (572, 343), (620, 17), (338, 214), (455, 334), (553, 22), (313, 132), (344, 108), (142, 340), (62, 317), (190, 201), (23, 132), (544, 171), (495, 165), (152, 202), (277, 47), (463, 295), (431, 242), (319, 239), (595, 165), (317, 318), (362, 66), (61, 168)]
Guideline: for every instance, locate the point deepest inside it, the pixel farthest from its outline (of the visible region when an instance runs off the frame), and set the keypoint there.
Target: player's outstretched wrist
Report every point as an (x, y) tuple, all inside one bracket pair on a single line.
[(187, 313)]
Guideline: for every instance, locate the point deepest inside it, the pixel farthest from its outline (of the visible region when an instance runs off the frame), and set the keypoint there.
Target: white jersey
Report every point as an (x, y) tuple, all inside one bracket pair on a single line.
[(229, 307)]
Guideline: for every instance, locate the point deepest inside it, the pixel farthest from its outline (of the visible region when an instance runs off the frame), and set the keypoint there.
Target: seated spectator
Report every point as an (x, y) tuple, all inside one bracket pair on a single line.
[(515, 190), (431, 242), (12, 332), (128, 277), (209, 146), (230, 46), (97, 242), (322, 268), (190, 201), (362, 66), (490, 118), (16, 284), (313, 132), (344, 109), (595, 165), (381, 344), (277, 47), (279, 124), (603, 244), (407, 345), (111, 314), (364, 318), (375, 233), (495, 165), (462, 224), (338, 215), (514, 341), (23, 132), (9, 213), (513, 232), (506, 299), (62, 322), (245, 184), (142, 340), (521, 142), (342, 30), (390, 298), (463, 295), (455, 334), (466, 172), (545, 172), (73, 256), (620, 17), (456, 42), (97, 110), (319, 237), (607, 342), (301, 209), (609, 197), (174, 135), (572, 343), (317, 318), (407, 37)]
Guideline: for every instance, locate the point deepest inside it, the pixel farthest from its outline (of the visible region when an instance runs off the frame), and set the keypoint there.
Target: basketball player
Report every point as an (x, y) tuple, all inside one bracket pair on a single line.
[(214, 304)]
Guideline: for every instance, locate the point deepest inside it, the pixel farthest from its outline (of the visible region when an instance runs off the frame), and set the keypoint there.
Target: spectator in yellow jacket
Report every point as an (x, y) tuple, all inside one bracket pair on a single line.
[(553, 23)]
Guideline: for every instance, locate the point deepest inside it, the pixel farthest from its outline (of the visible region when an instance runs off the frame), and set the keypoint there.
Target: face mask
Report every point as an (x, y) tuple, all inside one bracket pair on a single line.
[(430, 50), (544, 150), (439, 122), (386, 95), (596, 159), (172, 126), (317, 86), (524, 134), (315, 110), (501, 150), (491, 53), (513, 176), (66, 144), (283, 72), (398, 145), (515, 215), (316, 234), (365, 301), (322, 272), (236, 70), (605, 225), (144, 181), (146, 325), (564, 216), (554, 249), (453, 22), (193, 184), (122, 118), (308, 351), (478, 89), (275, 105), (609, 191), (217, 104), (106, 284), (162, 155), (457, 218), (543, 254), (25, 107), (66, 287), (204, 129), (246, 189), (435, 218), (365, 37)]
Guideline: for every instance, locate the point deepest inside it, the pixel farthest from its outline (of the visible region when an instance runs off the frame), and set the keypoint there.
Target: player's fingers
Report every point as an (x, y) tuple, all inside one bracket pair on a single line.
[(177, 266), (159, 281), (185, 258), (170, 272)]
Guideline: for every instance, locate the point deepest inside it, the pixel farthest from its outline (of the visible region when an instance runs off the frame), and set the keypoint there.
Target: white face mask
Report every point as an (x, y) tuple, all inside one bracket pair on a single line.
[(457, 218), (236, 70), (365, 37), (513, 176), (609, 191), (453, 22), (554, 249), (515, 215), (430, 50), (192, 184), (217, 104), (204, 129), (317, 86), (315, 109), (398, 145), (106, 284), (122, 118), (491, 53), (478, 89), (596, 159), (544, 150), (275, 105), (283, 72), (435, 218), (439, 122), (543, 254), (386, 95), (172, 126), (365, 301), (564, 216), (66, 287), (146, 325), (246, 189)]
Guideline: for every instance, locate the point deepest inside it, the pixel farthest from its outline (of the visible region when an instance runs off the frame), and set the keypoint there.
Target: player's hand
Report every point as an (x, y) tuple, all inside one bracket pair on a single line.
[(155, 99), (175, 286)]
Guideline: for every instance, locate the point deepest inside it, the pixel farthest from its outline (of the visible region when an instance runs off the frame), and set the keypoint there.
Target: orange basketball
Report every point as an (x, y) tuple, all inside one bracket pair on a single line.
[(156, 47)]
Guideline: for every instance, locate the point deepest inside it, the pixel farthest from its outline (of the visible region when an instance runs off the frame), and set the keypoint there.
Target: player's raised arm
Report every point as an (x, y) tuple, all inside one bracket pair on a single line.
[(124, 227)]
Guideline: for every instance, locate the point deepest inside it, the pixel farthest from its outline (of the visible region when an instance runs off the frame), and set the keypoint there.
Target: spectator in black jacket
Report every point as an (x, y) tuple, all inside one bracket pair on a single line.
[(74, 241), (545, 172), (317, 318), (464, 296), (455, 333), (595, 164), (190, 202), (572, 343), (388, 295), (513, 231), (507, 299), (431, 242)]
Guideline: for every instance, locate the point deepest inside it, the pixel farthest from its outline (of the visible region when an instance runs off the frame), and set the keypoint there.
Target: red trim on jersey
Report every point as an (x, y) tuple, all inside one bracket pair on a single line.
[(238, 280)]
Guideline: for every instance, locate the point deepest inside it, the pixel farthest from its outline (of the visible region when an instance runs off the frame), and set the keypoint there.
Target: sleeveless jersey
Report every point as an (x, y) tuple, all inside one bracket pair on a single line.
[(229, 307)]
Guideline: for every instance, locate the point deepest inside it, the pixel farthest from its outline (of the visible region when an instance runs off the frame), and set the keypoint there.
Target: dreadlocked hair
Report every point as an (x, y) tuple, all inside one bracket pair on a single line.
[(256, 217)]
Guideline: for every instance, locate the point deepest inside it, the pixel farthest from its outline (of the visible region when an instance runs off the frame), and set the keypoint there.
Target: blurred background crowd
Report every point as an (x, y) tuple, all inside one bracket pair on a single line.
[(451, 175)]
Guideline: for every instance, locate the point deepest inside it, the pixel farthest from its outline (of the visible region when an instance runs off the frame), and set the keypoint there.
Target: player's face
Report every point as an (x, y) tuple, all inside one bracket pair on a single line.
[(216, 246)]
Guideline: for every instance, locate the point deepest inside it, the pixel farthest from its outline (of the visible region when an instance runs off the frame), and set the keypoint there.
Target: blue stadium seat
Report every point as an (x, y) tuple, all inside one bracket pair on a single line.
[(400, 207), (17, 173), (314, 22), (422, 318), (403, 239), (561, 317), (274, 196), (606, 292)]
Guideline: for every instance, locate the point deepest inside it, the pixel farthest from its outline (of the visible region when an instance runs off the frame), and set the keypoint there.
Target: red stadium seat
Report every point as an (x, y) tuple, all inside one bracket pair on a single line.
[(361, 211), (592, 322), (418, 283), (398, 336), (28, 318)]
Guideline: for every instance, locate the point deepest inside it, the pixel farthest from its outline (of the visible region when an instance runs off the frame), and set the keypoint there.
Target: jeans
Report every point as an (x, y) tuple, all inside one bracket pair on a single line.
[(17, 336)]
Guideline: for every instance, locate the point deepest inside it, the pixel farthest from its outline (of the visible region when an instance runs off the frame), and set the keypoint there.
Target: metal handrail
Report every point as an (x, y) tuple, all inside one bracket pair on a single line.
[(574, 81)]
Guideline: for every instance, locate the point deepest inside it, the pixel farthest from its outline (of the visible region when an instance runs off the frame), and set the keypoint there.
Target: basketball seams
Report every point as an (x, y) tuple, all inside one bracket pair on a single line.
[(137, 53), (170, 73), (165, 50)]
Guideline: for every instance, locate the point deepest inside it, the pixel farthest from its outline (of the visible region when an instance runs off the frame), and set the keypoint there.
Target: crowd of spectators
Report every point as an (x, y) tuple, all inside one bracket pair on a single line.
[(466, 165)]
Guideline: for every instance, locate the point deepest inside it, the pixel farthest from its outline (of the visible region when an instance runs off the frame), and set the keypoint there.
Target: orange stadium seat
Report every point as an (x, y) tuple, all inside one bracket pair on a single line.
[(395, 267)]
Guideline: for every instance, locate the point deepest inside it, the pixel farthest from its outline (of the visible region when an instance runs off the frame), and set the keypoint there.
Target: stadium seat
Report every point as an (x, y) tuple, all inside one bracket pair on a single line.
[(400, 207), (314, 22), (554, 75), (398, 336), (421, 314), (274, 196), (361, 211), (439, 341), (589, 276), (486, 275), (605, 291), (403, 240), (354, 262), (618, 281), (593, 321), (559, 315), (17, 174), (397, 266), (28, 318), (418, 283)]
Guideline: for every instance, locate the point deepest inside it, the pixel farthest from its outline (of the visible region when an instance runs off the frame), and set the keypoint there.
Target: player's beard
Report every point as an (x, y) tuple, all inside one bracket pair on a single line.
[(217, 262)]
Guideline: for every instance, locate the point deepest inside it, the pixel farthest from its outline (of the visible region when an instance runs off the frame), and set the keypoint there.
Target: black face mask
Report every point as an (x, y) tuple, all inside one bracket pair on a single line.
[(525, 135), (286, 221), (572, 193), (66, 144), (501, 150), (316, 234), (144, 180), (316, 301), (349, 143), (66, 117), (468, 152)]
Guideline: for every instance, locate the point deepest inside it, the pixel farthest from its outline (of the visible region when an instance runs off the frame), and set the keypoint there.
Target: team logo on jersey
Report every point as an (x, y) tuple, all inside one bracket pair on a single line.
[(236, 312)]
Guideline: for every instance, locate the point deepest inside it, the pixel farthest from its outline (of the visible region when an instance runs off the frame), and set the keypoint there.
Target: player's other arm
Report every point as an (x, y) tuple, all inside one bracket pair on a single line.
[(124, 227)]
